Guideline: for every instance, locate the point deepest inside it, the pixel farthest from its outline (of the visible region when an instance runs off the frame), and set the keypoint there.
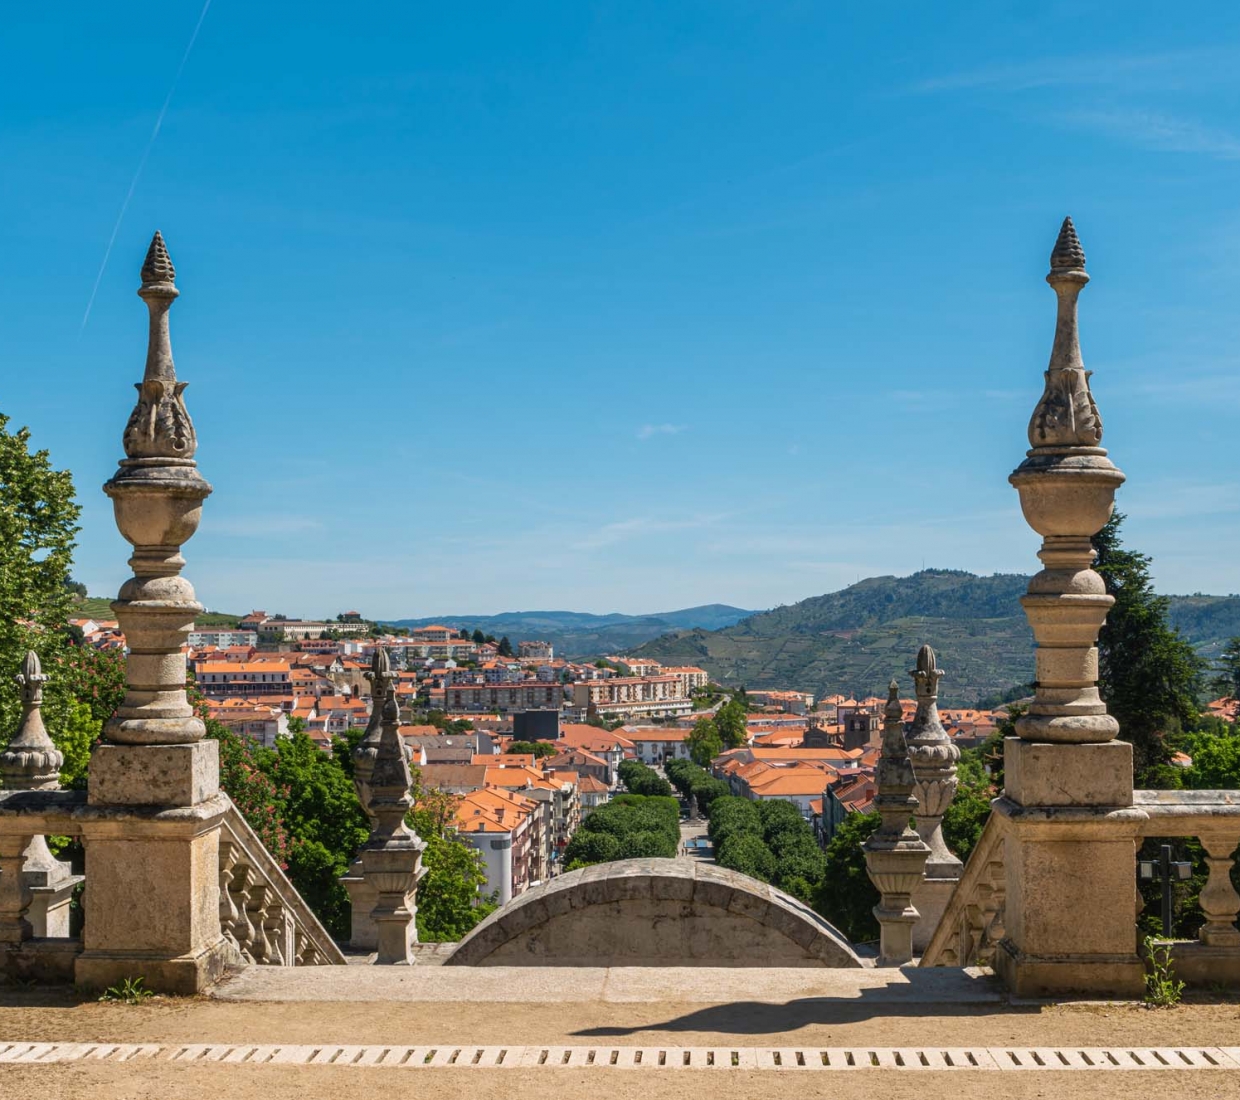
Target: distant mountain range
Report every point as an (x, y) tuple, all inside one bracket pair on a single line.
[(579, 634), (854, 641)]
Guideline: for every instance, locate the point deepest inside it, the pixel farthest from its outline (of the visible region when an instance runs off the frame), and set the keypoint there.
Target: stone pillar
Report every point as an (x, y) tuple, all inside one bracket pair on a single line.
[(152, 853), (895, 856), (934, 757), (392, 856), (1071, 824), (33, 763), (364, 933)]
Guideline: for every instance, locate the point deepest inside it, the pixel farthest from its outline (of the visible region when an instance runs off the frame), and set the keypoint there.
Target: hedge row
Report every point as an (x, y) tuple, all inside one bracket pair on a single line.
[(628, 827)]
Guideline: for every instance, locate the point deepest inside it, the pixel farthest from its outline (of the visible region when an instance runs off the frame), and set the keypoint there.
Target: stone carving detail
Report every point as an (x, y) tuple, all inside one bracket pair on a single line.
[(31, 762), (160, 425), (261, 914), (934, 759), (895, 856), (1067, 490), (157, 496), (392, 856), (35, 887), (1066, 415)]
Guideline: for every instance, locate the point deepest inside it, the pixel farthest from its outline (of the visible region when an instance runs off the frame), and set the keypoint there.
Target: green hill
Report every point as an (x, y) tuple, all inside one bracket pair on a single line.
[(580, 634), (100, 607), (854, 641)]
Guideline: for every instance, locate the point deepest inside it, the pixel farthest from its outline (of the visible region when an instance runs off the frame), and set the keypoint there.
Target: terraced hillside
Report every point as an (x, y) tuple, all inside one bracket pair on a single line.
[(855, 640)]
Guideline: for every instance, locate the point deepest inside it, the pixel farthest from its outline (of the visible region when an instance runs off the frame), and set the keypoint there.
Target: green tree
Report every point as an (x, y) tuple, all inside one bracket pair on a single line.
[(38, 526), (1149, 674), (505, 647), (747, 854), (846, 896), (538, 748), (1227, 671), (588, 847), (450, 898), (704, 742), (479, 638), (730, 722), (75, 738)]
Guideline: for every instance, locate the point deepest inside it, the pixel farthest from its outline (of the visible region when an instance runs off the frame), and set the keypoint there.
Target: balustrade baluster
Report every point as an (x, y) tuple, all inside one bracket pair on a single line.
[(260, 895), (228, 909), (274, 926), (1219, 900), (243, 930)]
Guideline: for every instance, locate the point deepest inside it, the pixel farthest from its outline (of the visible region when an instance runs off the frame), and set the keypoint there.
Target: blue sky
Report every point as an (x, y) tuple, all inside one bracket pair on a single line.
[(624, 306)]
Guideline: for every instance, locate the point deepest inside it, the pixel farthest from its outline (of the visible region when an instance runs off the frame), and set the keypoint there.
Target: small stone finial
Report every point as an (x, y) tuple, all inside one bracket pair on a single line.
[(392, 857), (1067, 255), (157, 269), (934, 757), (926, 675), (895, 855), (894, 709), (31, 762)]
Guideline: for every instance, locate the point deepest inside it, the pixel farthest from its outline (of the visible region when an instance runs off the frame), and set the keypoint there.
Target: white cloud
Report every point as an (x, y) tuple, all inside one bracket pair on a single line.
[(649, 431), (1160, 131), (1184, 68)]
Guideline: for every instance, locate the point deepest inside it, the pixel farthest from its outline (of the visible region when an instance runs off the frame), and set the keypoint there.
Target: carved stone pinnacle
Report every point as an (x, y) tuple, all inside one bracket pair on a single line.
[(157, 267), (1067, 490), (31, 762), (1067, 255)]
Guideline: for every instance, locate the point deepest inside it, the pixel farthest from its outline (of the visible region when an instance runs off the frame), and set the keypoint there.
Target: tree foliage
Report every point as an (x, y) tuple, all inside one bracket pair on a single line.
[(730, 722), (450, 898), (38, 526), (627, 827), (846, 896), (1149, 674), (538, 748), (704, 742), (638, 778)]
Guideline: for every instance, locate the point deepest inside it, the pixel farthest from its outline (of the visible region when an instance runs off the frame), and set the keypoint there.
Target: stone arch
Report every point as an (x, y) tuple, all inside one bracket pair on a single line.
[(654, 912)]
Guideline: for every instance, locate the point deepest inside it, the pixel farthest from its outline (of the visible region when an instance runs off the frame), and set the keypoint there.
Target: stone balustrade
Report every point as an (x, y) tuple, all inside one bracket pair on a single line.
[(972, 925), (263, 918)]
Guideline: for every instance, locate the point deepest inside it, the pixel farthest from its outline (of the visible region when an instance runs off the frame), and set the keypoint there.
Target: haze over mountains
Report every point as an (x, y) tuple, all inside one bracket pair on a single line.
[(579, 634), (855, 640)]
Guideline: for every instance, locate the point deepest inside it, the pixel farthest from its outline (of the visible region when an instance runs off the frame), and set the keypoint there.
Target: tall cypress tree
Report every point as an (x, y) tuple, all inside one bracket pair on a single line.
[(1149, 674)]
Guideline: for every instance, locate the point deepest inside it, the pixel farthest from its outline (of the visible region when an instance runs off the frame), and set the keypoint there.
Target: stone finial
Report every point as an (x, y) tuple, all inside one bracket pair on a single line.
[(159, 426), (1067, 255), (382, 679), (1067, 489), (1066, 416), (31, 762), (157, 269), (895, 856), (392, 856), (157, 496), (934, 759)]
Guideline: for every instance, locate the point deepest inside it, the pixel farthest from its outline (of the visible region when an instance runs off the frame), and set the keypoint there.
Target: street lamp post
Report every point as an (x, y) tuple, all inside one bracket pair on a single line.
[(1165, 870)]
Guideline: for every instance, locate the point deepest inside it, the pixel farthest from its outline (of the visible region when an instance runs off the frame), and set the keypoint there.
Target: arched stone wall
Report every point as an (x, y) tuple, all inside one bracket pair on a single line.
[(654, 912)]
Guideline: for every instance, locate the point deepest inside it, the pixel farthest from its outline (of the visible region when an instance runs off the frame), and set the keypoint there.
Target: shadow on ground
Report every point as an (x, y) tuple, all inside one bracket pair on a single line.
[(764, 1018)]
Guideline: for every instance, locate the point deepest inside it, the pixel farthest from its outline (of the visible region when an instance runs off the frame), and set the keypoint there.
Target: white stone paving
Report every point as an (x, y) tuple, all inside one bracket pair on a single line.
[(775, 1059)]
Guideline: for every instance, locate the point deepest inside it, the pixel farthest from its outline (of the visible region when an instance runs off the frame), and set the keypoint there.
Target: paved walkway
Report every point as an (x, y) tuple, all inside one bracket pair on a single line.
[(500, 1032)]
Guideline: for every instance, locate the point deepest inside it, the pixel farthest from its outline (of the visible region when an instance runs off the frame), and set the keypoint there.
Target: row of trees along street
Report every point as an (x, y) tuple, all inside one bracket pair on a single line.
[(301, 801)]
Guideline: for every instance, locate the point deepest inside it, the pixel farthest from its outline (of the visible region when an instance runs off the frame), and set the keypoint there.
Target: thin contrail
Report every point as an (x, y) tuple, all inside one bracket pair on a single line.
[(133, 183)]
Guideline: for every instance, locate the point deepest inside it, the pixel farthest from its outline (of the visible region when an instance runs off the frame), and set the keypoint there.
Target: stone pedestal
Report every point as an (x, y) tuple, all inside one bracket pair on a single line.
[(363, 932), (152, 899), (154, 775), (930, 898), (1071, 870)]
